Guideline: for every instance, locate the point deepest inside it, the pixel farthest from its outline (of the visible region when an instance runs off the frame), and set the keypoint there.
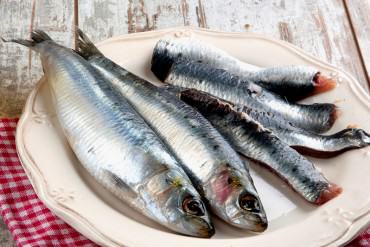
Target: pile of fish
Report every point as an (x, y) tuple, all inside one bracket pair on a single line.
[(172, 152)]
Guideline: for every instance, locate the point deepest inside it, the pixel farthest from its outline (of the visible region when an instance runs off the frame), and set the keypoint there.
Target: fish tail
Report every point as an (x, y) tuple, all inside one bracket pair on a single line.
[(358, 137), (329, 193), (365, 137), (85, 46), (37, 36)]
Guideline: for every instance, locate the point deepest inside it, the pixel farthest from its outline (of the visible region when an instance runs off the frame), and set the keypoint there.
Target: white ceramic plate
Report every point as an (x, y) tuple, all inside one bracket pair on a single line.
[(71, 193)]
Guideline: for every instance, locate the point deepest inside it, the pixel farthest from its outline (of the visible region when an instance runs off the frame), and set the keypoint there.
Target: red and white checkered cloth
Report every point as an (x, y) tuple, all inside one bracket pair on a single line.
[(27, 218), (29, 221)]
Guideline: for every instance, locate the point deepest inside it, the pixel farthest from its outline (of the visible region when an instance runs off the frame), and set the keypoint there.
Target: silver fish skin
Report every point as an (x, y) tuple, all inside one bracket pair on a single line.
[(308, 143), (305, 142), (213, 166), (252, 140), (115, 145), (222, 84), (293, 82)]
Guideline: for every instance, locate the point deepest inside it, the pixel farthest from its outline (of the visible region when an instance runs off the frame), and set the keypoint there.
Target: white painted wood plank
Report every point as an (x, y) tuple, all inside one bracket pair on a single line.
[(20, 69), (359, 13), (319, 27), (14, 70)]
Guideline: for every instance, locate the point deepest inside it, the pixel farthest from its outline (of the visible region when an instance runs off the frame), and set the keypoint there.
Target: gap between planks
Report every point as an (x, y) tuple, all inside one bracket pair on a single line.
[(355, 37), (75, 22), (202, 23)]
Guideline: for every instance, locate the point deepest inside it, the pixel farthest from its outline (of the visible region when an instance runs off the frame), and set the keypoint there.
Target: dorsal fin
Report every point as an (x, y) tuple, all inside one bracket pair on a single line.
[(39, 36), (85, 47)]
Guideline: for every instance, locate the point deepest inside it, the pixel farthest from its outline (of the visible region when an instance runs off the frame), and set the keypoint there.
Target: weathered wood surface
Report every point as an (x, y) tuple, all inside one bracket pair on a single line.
[(20, 68), (6, 239), (359, 15), (337, 31), (322, 28), (319, 27)]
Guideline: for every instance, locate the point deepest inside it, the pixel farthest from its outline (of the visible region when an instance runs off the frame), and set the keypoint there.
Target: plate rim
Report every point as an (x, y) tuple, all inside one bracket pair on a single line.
[(87, 228)]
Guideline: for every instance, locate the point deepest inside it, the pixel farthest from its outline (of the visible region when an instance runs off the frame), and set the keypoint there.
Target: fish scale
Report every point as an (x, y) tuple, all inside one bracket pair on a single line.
[(214, 167), (316, 145), (222, 84), (115, 145), (293, 82), (252, 140)]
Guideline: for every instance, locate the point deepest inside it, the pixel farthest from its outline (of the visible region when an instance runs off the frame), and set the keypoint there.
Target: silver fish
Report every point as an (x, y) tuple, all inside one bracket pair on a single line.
[(252, 140), (222, 84), (115, 145), (213, 166), (292, 82), (305, 142)]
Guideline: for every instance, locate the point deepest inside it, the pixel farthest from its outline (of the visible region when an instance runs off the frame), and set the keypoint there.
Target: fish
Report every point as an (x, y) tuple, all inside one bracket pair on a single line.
[(254, 141), (115, 145), (293, 82), (215, 169), (308, 143), (305, 142), (317, 118)]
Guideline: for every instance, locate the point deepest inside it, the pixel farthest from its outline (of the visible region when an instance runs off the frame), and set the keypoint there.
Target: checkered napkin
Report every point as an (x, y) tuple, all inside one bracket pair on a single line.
[(29, 221)]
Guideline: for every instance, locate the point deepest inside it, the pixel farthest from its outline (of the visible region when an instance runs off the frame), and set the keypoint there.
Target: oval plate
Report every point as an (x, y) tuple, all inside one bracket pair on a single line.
[(72, 194)]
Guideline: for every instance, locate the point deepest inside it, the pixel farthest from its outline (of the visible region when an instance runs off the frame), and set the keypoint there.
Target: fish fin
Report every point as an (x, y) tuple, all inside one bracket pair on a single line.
[(120, 184), (85, 46), (37, 36)]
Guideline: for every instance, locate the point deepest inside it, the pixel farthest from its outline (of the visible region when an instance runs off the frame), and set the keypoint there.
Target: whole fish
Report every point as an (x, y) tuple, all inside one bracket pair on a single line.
[(213, 166), (222, 84), (292, 82), (305, 142), (252, 140), (115, 145)]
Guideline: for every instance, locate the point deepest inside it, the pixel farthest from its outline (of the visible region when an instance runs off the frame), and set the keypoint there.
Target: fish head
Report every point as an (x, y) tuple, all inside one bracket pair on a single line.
[(183, 209), (195, 217), (236, 201), (247, 212)]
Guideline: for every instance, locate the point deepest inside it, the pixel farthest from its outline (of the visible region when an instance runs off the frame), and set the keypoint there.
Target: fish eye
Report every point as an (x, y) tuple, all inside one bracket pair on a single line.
[(249, 203), (193, 206)]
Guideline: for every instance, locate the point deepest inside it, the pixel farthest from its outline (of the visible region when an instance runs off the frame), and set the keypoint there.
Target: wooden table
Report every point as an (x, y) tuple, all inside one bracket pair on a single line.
[(336, 31)]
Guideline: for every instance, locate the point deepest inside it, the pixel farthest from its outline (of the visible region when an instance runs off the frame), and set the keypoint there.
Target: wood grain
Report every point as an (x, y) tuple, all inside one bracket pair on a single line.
[(20, 68), (320, 27), (6, 239), (359, 15), (14, 60)]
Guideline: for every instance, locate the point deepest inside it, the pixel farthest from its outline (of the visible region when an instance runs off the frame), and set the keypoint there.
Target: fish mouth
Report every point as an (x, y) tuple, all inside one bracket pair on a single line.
[(249, 213), (199, 227), (255, 222)]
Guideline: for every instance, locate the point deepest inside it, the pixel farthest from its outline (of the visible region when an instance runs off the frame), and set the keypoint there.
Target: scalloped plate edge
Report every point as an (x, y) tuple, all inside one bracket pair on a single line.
[(85, 227)]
